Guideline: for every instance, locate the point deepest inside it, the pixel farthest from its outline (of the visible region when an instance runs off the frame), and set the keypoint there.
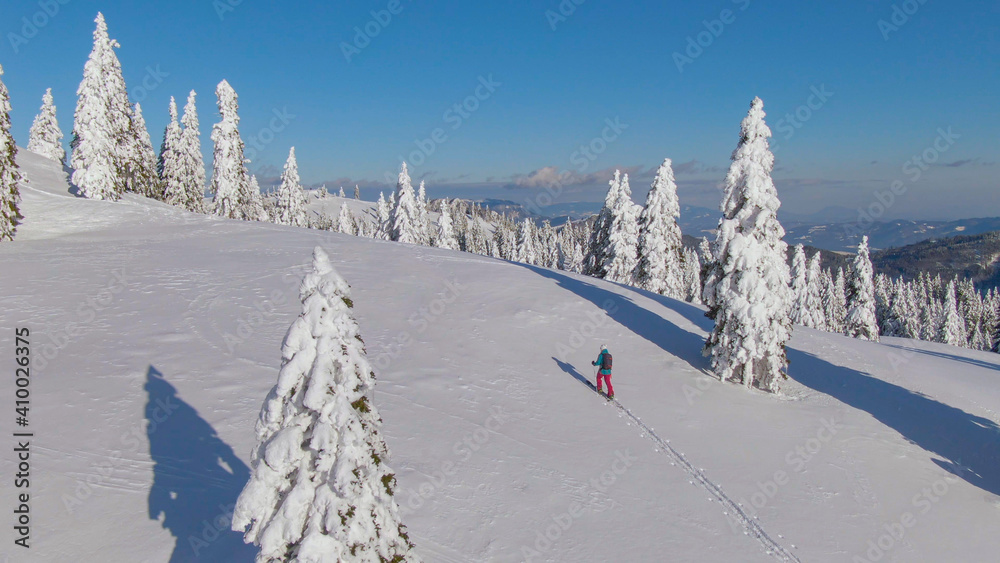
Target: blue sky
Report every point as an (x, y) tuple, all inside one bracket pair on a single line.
[(555, 82)]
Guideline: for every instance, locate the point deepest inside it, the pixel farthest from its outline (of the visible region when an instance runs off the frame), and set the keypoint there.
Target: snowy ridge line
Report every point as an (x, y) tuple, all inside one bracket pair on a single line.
[(753, 528)]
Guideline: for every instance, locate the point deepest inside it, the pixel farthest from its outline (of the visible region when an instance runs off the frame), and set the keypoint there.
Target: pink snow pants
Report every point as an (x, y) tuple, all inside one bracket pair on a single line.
[(607, 379)]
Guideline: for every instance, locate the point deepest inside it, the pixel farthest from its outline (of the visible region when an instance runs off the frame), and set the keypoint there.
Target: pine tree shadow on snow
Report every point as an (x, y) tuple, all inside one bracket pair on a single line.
[(654, 328), (196, 479), (693, 314), (968, 445), (947, 356)]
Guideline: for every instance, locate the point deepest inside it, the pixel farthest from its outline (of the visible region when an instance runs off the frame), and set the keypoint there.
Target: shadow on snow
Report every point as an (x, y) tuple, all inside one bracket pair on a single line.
[(196, 479), (963, 444), (568, 368), (945, 355), (654, 328), (968, 445)]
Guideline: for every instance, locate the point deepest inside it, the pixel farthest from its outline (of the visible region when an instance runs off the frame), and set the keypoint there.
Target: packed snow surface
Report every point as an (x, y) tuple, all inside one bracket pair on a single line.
[(156, 335)]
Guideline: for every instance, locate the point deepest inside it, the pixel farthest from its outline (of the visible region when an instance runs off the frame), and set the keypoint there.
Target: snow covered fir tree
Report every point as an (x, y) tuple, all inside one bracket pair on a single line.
[(612, 250), (235, 195), (446, 234), (320, 488), (10, 174), (141, 175), (860, 321), (291, 200), (620, 248), (660, 248), (192, 162), (406, 217), (747, 290), (102, 126), (45, 137), (170, 165)]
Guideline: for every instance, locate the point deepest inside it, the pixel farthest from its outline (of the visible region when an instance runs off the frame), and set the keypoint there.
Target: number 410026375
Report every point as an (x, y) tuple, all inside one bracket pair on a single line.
[(22, 356)]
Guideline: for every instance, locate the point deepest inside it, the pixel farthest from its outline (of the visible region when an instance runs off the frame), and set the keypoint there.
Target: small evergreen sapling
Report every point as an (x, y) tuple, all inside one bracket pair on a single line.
[(45, 137)]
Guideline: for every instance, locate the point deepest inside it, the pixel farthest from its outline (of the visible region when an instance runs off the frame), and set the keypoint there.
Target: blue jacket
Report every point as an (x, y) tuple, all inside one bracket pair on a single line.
[(600, 359)]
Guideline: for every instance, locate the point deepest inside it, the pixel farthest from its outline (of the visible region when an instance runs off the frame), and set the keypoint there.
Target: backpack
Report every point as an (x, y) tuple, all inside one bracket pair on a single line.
[(606, 361)]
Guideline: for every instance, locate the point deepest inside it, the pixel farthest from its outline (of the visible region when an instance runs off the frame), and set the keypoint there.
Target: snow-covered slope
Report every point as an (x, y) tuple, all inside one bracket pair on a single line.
[(156, 336)]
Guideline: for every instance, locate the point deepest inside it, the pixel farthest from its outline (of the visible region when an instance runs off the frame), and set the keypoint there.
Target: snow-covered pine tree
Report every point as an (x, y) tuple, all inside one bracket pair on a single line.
[(170, 165), (142, 177), (256, 210), (988, 321), (320, 488), (620, 256), (597, 244), (904, 312), (231, 184), (799, 286), (45, 137), (291, 201), (342, 195), (813, 315), (492, 249), (383, 213), (750, 300), (861, 321), (526, 252), (660, 250), (505, 237), (345, 221), (475, 238), (102, 123), (460, 222), (564, 242), (930, 319), (357, 192), (994, 306), (829, 303), (707, 260), (10, 174), (978, 339), (405, 215), (970, 308), (883, 306), (692, 277), (839, 301), (952, 330), (423, 224), (446, 234), (548, 246), (193, 163)]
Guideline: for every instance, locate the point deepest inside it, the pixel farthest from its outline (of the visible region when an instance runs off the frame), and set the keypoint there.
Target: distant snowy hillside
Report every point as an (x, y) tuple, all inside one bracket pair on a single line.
[(156, 334)]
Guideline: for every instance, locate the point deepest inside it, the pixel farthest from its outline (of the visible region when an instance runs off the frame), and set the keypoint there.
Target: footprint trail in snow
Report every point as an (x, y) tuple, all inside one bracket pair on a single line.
[(732, 508)]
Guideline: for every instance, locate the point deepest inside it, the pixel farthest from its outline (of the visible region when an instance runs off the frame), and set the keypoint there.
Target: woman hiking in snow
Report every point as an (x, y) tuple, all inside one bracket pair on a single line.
[(604, 360)]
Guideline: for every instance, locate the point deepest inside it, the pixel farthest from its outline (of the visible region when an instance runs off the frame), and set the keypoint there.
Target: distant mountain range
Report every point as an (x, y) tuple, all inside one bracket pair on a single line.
[(844, 236), (833, 228), (964, 248), (975, 256)]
